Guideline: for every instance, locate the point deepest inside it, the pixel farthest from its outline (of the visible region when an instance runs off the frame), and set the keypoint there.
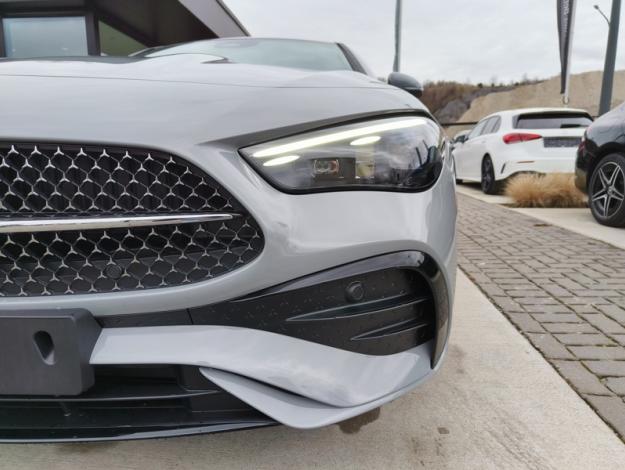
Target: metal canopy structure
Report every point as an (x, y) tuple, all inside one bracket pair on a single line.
[(148, 22)]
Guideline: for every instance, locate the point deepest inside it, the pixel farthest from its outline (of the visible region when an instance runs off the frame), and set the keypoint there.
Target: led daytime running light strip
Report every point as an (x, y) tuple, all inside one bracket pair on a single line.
[(339, 136)]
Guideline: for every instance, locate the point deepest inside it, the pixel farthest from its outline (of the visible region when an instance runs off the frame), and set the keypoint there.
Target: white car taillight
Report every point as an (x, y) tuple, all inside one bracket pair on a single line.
[(518, 137)]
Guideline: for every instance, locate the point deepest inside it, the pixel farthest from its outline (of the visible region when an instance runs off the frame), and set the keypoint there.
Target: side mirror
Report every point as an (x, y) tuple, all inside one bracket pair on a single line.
[(406, 82)]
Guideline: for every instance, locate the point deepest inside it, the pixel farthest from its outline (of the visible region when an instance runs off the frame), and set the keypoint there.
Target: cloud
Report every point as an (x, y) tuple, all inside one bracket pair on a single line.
[(442, 39)]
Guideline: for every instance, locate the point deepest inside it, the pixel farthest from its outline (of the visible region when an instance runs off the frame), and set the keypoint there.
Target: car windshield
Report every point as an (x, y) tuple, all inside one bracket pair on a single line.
[(553, 120), (277, 52)]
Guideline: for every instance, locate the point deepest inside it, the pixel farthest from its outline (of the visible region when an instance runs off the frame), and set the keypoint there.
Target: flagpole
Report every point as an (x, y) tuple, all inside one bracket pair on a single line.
[(567, 83), (398, 18), (610, 59)]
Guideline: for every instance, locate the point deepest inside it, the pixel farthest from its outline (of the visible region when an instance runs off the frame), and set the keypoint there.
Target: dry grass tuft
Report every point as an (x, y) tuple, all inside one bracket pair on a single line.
[(551, 190)]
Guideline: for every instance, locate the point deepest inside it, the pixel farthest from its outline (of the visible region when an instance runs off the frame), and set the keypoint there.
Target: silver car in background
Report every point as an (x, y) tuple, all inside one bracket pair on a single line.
[(194, 243)]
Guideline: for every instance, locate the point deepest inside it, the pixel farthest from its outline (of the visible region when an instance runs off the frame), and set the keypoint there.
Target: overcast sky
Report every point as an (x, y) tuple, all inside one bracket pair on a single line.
[(463, 40)]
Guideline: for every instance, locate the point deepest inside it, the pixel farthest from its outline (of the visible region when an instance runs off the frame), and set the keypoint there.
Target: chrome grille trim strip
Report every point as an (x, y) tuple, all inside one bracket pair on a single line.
[(68, 224)]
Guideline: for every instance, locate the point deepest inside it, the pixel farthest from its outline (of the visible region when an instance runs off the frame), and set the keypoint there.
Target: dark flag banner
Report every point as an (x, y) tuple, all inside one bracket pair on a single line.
[(566, 17)]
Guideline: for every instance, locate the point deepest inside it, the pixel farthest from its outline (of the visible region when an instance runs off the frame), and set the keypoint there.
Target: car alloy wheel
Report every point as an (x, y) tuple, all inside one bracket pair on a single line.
[(489, 184), (607, 191)]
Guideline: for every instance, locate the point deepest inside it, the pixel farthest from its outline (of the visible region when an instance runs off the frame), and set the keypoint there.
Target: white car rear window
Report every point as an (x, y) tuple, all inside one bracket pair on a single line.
[(553, 120)]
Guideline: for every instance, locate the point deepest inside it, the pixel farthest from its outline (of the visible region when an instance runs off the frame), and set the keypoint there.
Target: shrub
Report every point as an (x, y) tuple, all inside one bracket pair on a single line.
[(551, 190)]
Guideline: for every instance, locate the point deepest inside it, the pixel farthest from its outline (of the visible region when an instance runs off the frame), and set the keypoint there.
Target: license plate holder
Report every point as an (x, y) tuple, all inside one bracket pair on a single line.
[(561, 142), (46, 352)]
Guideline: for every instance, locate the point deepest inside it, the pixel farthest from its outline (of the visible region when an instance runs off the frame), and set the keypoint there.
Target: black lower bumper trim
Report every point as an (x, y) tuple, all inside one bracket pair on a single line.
[(128, 402), (344, 307)]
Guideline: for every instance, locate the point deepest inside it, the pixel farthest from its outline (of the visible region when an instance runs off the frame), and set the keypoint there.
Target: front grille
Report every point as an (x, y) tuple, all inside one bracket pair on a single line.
[(54, 181)]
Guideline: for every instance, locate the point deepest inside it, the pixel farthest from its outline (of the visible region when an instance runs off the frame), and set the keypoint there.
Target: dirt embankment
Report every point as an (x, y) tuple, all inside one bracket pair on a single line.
[(585, 92)]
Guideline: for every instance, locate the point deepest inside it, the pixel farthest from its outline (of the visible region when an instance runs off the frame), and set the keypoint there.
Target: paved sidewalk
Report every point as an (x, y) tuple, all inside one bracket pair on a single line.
[(496, 403), (578, 220), (564, 291)]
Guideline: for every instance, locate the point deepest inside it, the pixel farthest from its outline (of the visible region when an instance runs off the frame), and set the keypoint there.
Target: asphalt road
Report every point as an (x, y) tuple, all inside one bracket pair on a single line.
[(495, 404)]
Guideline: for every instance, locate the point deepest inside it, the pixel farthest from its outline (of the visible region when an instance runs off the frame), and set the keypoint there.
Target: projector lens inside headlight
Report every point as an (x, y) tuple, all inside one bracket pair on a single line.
[(402, 154)]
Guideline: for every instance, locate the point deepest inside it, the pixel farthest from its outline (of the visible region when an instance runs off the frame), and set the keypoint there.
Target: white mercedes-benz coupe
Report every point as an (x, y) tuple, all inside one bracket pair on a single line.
[(537, 140), (194, 243)]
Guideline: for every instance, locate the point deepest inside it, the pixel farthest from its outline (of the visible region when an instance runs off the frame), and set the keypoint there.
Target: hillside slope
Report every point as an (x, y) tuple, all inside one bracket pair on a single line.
[(585, 92)]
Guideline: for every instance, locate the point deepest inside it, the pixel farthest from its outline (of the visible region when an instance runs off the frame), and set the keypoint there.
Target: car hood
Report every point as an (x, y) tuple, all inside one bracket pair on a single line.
[(181, 100), (186, 68)]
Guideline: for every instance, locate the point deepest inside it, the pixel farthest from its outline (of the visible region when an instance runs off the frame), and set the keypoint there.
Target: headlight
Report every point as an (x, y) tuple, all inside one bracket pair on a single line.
[(394, 154)]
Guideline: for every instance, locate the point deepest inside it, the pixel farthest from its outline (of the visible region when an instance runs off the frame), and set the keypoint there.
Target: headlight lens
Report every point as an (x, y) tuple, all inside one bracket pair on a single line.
[(394, 154)]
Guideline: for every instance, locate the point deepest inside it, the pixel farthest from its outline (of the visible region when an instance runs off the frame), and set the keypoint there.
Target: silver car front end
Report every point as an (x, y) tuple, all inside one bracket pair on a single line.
[(308, 240)]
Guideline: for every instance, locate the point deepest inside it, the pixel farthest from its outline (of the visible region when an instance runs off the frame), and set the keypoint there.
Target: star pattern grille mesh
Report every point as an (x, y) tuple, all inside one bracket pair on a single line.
[(83, 181)]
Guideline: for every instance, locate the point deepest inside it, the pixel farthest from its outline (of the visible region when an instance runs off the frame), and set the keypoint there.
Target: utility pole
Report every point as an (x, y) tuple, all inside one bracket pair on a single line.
[(610, 59), (398, 17)]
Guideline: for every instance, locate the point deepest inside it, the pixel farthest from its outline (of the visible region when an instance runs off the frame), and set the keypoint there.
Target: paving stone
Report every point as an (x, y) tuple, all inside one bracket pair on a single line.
[(570, 328), (525, 322), (592, 301), (598, 352), (611, 409), (574, 339), (606, 368), (569, 284), (549, 346), (479, 278), (620, 339), (583, 280), (520, 286), (615, 312), (603, 323), (584, 308), (564, 291), (492, 289), (507, 275), (579, 377), (555, 290), (507, 282), (507, 304), (595, 293), (547, 308), (593, 274), (557, 318), (514, 293), (616, 384), (537, 301)]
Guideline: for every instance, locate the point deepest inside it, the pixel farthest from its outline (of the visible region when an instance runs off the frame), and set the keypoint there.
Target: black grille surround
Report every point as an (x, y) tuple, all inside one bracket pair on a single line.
[(60, 181)]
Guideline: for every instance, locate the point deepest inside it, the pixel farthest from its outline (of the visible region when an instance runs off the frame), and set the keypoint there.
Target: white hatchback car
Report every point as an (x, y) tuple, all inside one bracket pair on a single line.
[(540, 140)]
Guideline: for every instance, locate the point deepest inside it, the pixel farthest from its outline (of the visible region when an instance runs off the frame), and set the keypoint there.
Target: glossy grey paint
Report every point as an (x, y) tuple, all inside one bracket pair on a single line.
[(205, 112), (292, 410), (322, 373)]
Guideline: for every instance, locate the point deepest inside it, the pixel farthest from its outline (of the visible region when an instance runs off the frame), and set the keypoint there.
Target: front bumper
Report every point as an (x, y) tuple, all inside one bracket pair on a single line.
[(249, 375), (252, 368)]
